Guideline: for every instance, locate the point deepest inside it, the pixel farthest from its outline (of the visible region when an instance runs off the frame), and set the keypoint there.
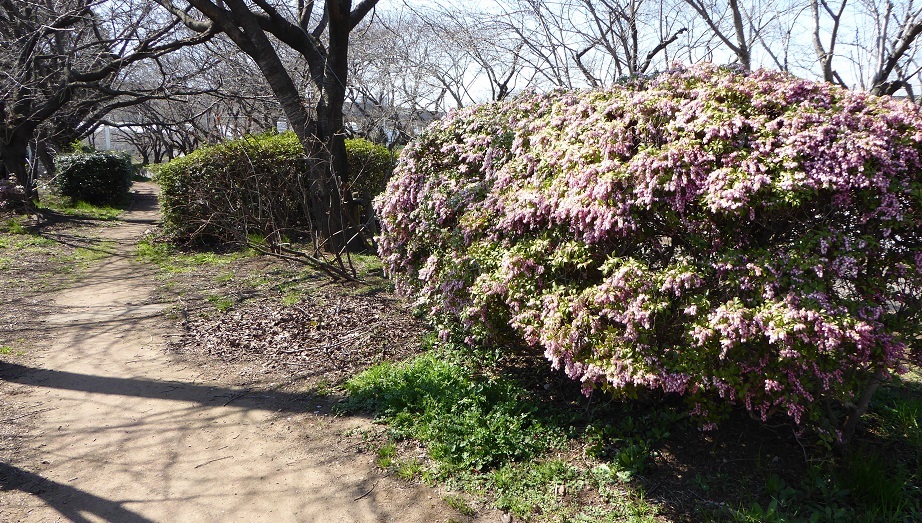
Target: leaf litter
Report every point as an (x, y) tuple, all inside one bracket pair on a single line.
[(328, 335)]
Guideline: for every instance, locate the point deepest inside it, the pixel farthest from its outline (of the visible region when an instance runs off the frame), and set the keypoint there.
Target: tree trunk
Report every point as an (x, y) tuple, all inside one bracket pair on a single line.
[(43, 155), (15, 154)]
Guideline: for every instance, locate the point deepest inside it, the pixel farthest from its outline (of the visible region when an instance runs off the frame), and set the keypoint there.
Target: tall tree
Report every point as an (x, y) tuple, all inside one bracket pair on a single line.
[(882, 42), (258, 28)]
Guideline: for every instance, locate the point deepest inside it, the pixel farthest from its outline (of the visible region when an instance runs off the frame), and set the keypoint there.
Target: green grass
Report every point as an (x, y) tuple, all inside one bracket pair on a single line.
[(15, 225), (24, 241), (222, 303), (488, 436), (467, 423), (408, 469), (225, 277), (79, 209), (460, 504), (6, 350), (386, 455), (171, 260), (99, 251)]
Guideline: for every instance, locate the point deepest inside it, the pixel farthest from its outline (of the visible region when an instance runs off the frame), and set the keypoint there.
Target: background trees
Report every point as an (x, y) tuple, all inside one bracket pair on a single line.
[(67, 63)]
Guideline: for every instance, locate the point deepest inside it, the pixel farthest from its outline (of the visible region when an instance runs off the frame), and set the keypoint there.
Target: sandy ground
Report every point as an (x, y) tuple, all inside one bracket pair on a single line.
[(123, 432)]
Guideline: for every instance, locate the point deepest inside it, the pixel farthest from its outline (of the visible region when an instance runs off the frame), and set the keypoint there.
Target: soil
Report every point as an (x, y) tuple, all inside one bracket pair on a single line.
[(99, 421)]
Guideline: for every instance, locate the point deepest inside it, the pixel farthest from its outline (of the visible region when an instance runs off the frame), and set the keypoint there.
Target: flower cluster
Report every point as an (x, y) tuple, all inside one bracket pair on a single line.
[(735, 238), (11, 195)]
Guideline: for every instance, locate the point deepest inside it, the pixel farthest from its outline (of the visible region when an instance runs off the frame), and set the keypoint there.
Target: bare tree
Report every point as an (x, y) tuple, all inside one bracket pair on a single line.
[(259, 29), (887, 58), (826, 51), (572, 43), (62, 63), (629, 34)]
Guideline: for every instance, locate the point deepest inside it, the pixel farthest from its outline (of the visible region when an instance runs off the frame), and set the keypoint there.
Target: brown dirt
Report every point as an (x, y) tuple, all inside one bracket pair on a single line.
[(101, 423)]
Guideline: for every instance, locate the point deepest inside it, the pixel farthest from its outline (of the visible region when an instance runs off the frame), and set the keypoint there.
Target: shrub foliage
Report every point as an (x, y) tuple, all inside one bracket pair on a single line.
[(370, 166), (734, 238), (99, 178), (255, 185)]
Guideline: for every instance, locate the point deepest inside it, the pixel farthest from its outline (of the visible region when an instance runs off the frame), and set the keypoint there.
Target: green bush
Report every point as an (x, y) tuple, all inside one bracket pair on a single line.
[(370, 166), (255, 185), (230, 190), (99, 178)]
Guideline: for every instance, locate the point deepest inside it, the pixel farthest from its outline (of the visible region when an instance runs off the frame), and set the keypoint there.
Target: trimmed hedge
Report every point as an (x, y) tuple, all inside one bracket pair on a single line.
[(230, 190), (370, 166), (734, 238), (255, 185), (99, 178)]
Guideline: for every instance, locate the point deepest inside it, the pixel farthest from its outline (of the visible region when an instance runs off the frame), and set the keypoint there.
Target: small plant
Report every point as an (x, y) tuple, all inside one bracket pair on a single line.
[(13, 226), (875, 484), (460, 504), (409, 469), (222, 303), (225, 277), (386, 455)]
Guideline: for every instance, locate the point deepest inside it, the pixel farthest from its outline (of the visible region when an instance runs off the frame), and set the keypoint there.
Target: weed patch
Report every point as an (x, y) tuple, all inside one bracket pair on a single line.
[(222, 303), (492, 431), (486, 434), (468, 423)]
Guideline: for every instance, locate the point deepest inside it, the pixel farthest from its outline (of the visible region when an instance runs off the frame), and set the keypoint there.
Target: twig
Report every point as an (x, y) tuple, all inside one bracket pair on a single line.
[(346, 338), (367, 493), (212, 461), (235, 398)]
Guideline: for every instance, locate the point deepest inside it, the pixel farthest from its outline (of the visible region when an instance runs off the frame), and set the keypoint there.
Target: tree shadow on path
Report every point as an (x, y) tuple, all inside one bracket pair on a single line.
[(73, 504), (272, 401)]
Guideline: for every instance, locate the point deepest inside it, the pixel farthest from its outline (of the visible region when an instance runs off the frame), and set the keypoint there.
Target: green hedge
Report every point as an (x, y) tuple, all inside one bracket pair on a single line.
[(370, 166), (255, 185), (99, 178)]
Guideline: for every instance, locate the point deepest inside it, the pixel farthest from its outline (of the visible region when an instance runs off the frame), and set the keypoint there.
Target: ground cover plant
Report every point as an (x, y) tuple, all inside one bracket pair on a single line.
[(733, 238), (510, 434)]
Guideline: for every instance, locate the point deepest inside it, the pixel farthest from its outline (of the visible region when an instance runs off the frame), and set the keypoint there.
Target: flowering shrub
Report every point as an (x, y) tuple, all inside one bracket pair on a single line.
[(733, 238), (12, 196)]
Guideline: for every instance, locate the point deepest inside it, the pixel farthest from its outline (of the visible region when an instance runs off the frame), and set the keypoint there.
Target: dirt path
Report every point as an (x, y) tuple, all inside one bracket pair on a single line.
[(124, 433)]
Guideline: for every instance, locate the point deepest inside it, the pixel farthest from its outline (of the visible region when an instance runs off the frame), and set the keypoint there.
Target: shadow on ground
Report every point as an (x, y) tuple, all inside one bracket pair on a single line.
[(72, 503)]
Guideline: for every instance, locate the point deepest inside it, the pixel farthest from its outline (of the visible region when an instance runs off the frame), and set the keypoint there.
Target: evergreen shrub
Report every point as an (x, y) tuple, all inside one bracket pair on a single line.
[(370, 167), (95, 177), (254, 185), (733, 238)]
